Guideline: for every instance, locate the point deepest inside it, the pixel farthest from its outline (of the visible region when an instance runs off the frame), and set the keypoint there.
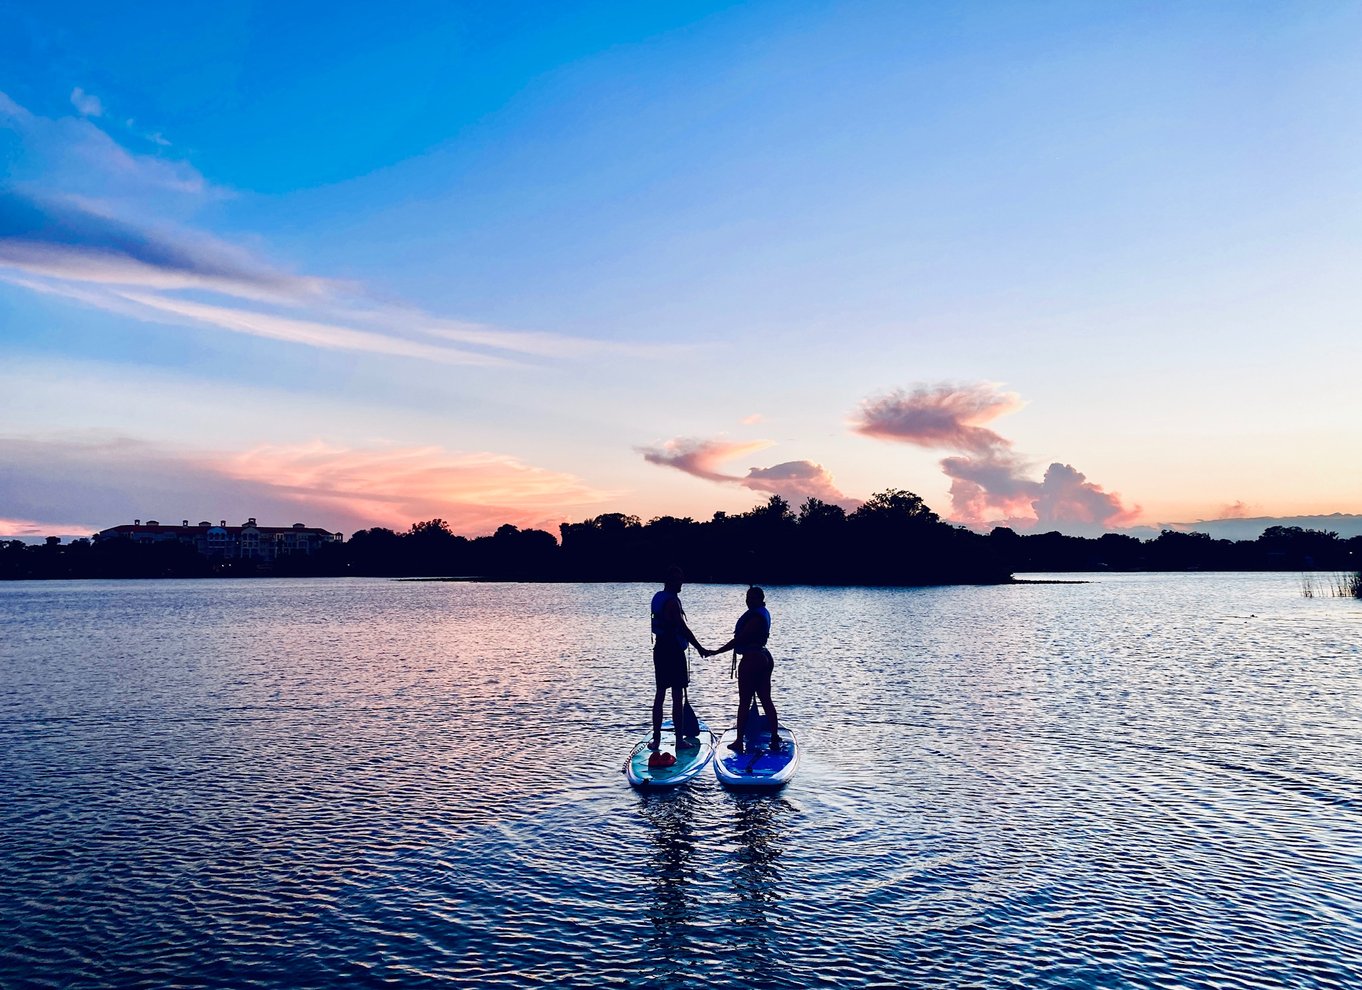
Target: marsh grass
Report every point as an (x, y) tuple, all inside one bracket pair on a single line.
[(1332, 585)]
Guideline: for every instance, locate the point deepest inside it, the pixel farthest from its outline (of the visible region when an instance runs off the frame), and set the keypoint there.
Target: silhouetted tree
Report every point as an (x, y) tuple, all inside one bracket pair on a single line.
[(432, 549), (682, 541), (895, 539), (1300, 549), (606, 547), (376, 551), (517, 554)]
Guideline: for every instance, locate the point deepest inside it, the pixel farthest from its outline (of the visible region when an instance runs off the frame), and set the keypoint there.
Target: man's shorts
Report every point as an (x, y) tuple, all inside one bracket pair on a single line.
[(669, 666)]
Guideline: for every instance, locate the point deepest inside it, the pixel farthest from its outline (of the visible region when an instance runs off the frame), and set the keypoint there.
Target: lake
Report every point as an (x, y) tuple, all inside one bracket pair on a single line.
[(1146, 780)]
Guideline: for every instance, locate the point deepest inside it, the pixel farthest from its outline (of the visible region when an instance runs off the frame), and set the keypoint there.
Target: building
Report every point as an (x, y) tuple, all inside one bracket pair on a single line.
[(249, 541)]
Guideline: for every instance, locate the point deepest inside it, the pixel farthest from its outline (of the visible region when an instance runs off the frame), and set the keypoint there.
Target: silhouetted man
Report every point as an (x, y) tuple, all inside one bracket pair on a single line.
[(671, 636)]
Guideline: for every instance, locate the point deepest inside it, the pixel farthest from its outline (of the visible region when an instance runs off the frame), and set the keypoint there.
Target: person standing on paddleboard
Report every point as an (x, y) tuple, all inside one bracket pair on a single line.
[(754, 662), (671, 636)]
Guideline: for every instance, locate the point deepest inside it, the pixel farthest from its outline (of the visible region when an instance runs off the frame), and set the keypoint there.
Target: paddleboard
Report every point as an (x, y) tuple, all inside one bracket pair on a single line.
[(756, 767), (689, 761)]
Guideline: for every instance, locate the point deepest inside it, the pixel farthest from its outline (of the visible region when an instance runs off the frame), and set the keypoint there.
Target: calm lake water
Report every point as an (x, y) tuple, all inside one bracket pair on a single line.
[(1142, 781)]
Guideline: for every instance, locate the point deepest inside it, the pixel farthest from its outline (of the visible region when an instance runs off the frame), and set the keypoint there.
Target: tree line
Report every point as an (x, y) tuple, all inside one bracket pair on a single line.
[(893, 538)]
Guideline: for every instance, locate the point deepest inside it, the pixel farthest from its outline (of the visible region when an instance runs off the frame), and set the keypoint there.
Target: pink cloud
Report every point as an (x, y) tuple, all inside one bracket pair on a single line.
[(701, 458), (990, 492), (990, 489), (28, 529), (794, 481), (1067, 496), (990, 483), (943, 415)]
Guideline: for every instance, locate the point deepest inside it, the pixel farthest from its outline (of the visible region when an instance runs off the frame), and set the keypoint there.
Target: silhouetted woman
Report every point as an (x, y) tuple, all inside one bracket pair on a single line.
[(755, 664)]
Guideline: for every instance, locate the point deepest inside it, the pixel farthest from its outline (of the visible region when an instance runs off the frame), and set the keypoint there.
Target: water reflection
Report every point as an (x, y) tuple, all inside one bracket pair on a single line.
[(759, 827), (672, 869)]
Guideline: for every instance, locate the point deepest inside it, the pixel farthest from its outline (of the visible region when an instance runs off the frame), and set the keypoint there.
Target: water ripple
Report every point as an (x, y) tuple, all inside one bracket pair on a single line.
[(1147, 781)]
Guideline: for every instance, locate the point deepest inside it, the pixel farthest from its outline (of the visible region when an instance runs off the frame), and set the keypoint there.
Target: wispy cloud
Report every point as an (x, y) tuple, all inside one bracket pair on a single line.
[(990, 482), (794, 481), (531, 344), (87, 104), (700, 458), (73, 222), (73, 156), (114, 479), (312, 333), (75, 241)]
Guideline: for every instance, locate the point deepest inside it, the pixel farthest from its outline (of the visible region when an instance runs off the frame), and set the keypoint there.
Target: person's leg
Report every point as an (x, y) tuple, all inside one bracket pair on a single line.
[(658, 695), (678, 712), (764, 693), (745, 692)]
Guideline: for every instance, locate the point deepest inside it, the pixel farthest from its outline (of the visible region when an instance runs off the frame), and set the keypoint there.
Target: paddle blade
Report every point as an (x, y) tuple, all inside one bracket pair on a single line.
[(690, 725)]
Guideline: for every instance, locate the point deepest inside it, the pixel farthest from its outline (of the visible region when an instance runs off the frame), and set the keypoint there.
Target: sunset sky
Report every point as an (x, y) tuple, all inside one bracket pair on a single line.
[(1075, 266)]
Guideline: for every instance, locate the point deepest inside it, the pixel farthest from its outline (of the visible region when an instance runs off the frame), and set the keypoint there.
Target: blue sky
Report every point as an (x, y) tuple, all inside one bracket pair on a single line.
[(1054, 265)]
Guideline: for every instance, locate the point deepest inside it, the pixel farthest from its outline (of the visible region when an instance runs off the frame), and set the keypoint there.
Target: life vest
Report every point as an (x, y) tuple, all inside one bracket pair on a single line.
[(666, 631), (762, 613)]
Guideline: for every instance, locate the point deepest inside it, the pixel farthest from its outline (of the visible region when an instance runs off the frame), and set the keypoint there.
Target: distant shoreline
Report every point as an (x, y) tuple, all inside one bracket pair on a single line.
[(892, 540)]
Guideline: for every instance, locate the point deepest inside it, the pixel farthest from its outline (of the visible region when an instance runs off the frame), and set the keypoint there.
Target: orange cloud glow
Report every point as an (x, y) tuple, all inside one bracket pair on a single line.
[(28, 529), (394, 487)]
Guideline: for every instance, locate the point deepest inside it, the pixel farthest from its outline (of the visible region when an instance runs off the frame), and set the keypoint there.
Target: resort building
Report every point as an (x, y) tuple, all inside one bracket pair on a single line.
[(249, 541)]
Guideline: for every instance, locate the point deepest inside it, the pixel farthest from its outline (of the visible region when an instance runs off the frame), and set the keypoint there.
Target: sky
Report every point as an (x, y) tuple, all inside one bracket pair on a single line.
[(1068, 266)]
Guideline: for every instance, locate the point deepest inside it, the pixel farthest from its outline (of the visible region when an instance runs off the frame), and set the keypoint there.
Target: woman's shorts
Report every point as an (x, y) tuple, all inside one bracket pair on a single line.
[(669, 667), (754, 670)]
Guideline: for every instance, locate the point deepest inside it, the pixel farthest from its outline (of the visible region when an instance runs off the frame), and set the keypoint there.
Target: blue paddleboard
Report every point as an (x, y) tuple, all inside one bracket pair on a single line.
[(756, 767)]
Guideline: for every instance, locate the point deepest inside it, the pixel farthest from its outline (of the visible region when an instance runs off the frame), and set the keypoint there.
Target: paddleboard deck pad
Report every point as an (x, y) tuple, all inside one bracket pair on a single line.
[(689, 760), (756, 766)]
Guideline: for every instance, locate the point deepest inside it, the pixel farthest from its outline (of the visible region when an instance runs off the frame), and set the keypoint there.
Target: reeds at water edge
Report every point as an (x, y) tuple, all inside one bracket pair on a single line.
[(1332, 585)]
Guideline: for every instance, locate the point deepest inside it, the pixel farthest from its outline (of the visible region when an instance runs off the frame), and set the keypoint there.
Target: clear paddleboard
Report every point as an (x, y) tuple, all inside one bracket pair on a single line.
[(690, 760)]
